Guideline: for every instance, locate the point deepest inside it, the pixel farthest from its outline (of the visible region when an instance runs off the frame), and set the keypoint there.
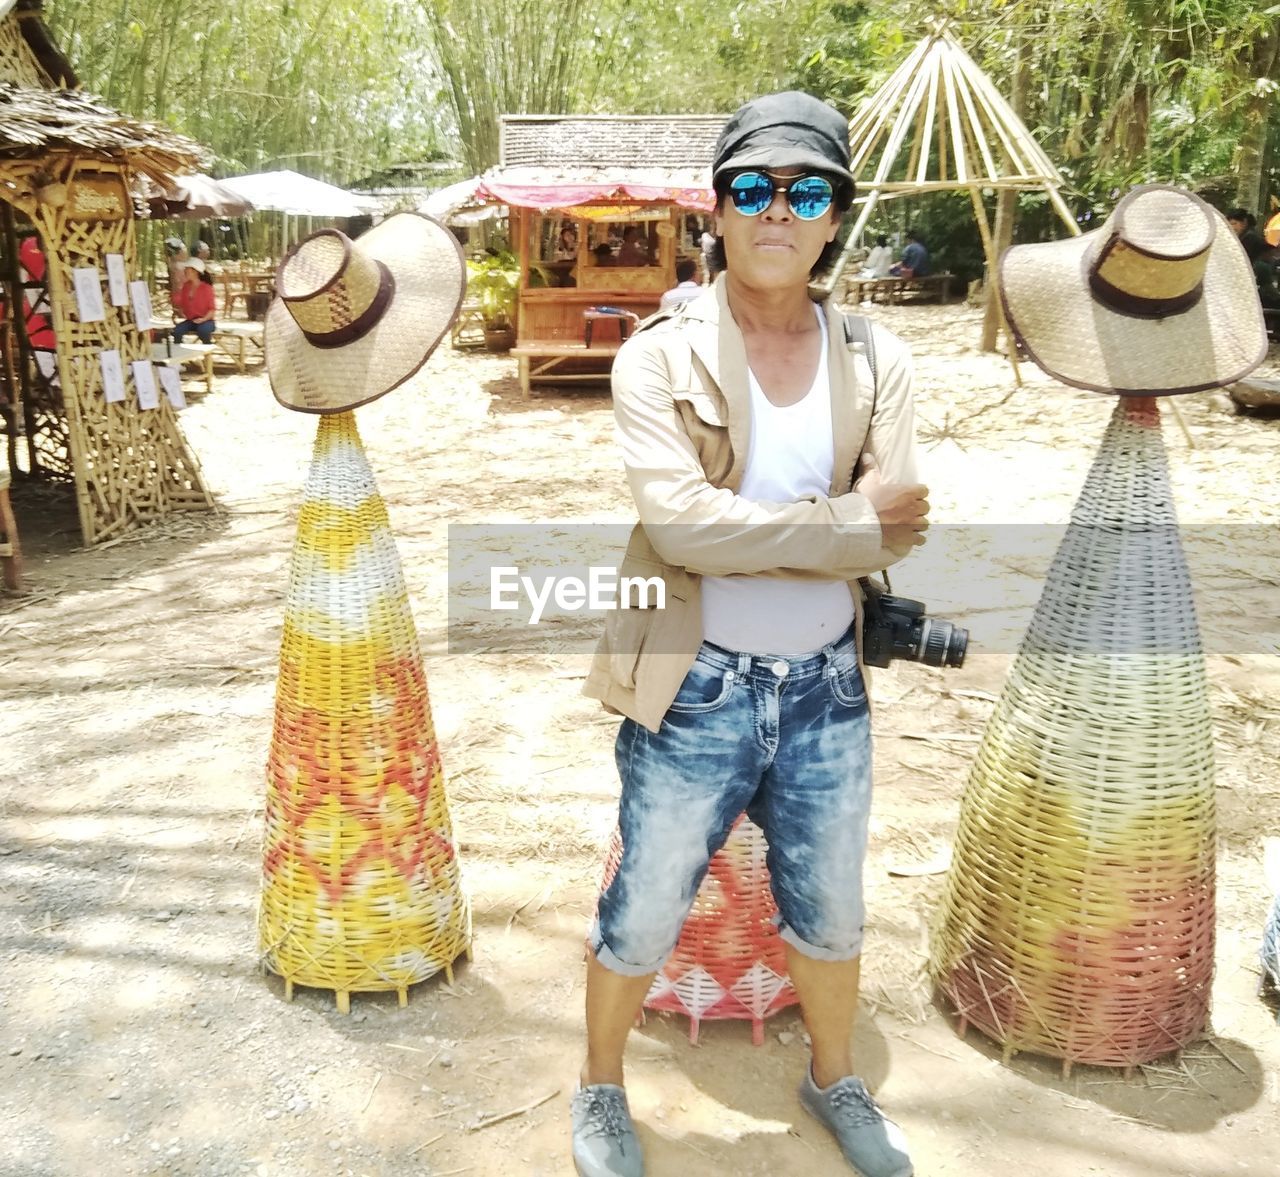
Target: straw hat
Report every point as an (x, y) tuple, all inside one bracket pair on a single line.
[(1159, 300), (354, 319)]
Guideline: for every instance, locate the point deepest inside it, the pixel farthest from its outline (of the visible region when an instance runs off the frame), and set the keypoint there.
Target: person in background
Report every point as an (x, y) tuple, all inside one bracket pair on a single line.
[(175, 256), (566, 247), (915, 258), (635, 250), (1245, 225), (603, 254), (687, 285), (194, 300), (878, 260), (707, 243), (203, 251)]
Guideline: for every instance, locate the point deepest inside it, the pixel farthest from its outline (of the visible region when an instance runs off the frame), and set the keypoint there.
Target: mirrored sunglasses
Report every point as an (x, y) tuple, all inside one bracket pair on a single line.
[(809, 196)]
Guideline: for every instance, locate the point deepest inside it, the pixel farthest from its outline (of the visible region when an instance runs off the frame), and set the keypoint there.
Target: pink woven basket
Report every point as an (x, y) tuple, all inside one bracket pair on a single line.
[(729, 961)]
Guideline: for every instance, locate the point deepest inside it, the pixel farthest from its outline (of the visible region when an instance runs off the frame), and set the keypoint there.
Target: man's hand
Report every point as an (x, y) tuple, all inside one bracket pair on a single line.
[(903, 508)]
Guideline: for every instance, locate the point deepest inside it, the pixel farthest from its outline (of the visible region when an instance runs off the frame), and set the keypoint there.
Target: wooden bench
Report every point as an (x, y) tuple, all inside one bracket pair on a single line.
[(894, 291), (200, 354), (542, 361), (240, 341)]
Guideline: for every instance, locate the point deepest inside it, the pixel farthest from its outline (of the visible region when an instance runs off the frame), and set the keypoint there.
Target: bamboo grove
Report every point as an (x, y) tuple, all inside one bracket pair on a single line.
[(1117, 91)]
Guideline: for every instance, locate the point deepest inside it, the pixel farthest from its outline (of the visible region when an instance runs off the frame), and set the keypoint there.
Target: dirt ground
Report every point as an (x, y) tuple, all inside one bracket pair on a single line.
[(137, 1034)]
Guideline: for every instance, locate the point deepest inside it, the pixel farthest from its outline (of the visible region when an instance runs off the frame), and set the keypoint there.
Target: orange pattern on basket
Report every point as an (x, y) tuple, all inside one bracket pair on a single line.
[(361, 888)]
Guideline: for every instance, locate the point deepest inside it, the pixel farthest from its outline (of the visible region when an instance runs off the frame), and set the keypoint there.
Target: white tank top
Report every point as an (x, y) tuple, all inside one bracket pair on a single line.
[(791, 457)]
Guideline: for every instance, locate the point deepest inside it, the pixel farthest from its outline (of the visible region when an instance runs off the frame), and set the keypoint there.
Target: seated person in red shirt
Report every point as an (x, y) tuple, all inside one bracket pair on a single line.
[(194, 300)]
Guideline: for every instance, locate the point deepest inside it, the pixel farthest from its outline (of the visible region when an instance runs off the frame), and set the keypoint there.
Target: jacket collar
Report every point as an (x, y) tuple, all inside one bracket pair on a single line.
[(717, 342)]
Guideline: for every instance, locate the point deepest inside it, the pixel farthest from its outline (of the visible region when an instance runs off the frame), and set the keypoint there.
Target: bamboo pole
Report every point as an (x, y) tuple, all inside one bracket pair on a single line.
[(957, 133), (883, 104), (931, 111), (988, 247), (976, 130)]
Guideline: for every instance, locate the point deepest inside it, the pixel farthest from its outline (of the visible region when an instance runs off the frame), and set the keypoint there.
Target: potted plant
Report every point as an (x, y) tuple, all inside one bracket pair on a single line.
[(493, 284)]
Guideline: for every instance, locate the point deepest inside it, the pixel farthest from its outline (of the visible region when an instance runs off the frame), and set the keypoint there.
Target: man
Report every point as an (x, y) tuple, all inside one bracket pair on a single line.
[(915, 258), (687, 285), (742, 416), (1244, 223)]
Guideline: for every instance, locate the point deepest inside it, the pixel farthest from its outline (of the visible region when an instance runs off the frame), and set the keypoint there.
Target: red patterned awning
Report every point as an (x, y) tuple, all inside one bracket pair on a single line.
[(552, 197)]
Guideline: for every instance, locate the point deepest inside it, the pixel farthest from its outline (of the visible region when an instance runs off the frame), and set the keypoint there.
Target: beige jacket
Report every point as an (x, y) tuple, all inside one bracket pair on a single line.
[(683, 414)]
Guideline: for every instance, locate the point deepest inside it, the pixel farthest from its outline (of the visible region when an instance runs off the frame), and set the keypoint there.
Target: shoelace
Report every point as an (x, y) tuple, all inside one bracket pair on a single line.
[(855, 1105), (605, 1116)]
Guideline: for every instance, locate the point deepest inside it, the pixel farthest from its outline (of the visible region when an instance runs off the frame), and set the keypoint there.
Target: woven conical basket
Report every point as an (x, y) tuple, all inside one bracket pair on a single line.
[(1078, 914), (730, 961), (360, 883), (1270, 953)]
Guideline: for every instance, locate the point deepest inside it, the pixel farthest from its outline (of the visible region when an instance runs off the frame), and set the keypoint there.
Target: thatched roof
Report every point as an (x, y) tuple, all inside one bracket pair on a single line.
[(40, 41), (33, 122), (568, 144)]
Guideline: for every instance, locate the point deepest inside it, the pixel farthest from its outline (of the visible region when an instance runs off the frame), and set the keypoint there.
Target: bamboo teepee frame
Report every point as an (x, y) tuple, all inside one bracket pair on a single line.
[(939, 125)]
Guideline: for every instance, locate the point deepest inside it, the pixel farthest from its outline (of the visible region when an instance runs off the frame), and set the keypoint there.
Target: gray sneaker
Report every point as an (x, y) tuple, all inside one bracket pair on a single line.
[(604, 1139), (872, 1144)]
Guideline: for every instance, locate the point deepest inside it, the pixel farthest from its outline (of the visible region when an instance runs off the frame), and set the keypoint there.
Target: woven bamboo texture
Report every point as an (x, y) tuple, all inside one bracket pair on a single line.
[(129, 466), (729, 961), (360, 885), (1270, 952), (1078, 914)]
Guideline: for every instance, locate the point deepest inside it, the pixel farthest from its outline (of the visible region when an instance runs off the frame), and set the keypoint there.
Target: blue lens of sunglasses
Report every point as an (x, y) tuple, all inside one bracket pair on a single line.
[(808, 196)]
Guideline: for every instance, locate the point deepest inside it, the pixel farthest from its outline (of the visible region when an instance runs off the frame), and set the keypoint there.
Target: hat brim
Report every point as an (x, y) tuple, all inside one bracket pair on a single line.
[(781, 155), (1081, 341), (429, 271)]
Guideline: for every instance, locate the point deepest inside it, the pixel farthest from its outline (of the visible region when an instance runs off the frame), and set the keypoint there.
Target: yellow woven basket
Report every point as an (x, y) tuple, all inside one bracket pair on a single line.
[(360, 885), (1078, 915)]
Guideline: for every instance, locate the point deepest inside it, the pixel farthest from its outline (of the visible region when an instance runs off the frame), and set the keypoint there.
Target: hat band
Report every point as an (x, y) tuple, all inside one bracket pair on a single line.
[(363, 323), (1136, 306)]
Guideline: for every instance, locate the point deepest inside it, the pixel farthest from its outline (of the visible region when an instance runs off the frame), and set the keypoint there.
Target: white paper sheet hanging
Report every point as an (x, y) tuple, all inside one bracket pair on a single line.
[(141, 304), (171, 382), (144, 380), (88, 284), (117, 281), (112, 376)]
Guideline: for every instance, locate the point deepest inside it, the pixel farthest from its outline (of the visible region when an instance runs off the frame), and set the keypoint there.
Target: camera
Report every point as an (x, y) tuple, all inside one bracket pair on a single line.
[(896, 627)]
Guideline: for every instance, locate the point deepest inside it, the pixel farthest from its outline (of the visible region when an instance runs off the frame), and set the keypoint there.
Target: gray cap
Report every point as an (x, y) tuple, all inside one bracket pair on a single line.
[(791, 129)]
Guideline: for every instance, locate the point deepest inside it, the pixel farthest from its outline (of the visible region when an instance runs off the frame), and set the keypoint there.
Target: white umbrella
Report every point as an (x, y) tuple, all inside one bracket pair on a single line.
[(457, 204), (290, 192), (198, 197)]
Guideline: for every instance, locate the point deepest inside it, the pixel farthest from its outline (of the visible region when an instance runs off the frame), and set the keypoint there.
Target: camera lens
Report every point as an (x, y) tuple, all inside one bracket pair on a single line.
[(942, 643)]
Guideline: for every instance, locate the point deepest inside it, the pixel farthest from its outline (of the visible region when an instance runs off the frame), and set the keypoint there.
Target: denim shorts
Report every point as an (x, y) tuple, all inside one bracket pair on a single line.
[(785, 739)]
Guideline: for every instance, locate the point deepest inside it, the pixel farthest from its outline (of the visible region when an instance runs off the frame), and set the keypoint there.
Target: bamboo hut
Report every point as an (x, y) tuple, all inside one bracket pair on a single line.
[(68, 165), (634, 189)]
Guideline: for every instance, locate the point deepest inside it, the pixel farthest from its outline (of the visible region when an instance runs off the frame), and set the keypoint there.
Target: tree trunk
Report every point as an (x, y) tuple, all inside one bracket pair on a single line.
[(1006, 199), (1251, 157)]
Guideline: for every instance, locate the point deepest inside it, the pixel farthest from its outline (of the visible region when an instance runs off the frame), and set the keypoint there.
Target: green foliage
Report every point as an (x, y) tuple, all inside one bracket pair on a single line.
[(493, 282), (1120, 91), (333, 88)]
